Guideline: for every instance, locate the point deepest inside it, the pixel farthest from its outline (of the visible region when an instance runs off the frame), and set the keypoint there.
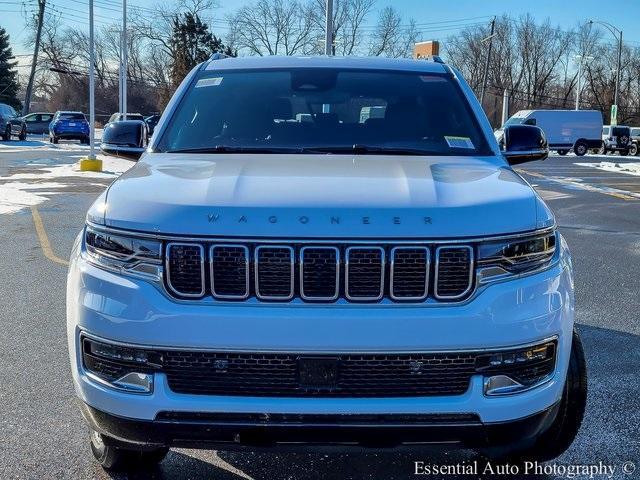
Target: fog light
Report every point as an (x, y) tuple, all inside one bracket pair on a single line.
[(516, 370), (122, 367), (137, 382), (501, 384)]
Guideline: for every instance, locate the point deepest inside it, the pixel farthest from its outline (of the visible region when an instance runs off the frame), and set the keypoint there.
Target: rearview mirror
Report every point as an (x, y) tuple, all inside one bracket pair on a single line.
[(524, 143), (126, 138)]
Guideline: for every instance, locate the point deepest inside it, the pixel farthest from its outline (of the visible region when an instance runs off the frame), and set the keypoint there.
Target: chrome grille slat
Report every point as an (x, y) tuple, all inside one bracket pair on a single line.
[(364, 276), (454, 272), (185, 269), (409, 273), (229, 269), (320, 272), (274, 272)]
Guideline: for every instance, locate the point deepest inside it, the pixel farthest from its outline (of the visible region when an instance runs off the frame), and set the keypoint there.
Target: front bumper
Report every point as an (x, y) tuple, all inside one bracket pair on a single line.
[(339, 430), (123, 309)]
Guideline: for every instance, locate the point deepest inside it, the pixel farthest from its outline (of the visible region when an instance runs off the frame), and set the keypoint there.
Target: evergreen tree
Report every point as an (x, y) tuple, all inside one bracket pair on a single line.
[(8, 73), (191, 43)]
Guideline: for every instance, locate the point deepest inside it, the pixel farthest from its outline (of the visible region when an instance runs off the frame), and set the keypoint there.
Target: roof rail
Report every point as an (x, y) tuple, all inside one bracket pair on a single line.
[(437, 59), (218, 56)]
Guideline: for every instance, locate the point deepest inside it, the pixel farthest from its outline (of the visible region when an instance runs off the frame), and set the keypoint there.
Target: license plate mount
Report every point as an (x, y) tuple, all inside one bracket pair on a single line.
[(318, 372)]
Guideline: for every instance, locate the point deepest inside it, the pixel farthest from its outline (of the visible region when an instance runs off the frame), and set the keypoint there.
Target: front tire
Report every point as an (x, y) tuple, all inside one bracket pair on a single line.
[(563, 152), (554, 441), (633, 150), (7, 134), (115, 458), (23, 134), (580, 149)]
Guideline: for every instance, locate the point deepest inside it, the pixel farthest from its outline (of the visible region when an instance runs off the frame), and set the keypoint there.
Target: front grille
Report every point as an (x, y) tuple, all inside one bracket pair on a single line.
[(271, 374), (321, 273), (185, 269)]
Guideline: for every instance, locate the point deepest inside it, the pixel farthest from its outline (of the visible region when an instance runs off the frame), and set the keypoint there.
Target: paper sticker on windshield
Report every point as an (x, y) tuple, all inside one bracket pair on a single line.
[(459, 142), (209, 82)]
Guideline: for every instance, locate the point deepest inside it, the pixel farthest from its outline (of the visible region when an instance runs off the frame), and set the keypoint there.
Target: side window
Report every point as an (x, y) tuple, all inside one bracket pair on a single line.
[(31, 118), (46, 117), (530, 121)]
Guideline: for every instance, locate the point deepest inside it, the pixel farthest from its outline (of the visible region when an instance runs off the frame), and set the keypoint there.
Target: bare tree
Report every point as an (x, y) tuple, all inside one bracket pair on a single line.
[(390, 37), (275, 27)]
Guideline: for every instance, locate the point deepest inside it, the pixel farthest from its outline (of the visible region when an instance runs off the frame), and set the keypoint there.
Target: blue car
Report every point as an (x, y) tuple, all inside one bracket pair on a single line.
[(69, 126)]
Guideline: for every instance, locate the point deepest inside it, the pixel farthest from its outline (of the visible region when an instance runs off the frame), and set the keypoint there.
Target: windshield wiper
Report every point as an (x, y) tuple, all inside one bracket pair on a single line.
[(235, 149), (358, 148)]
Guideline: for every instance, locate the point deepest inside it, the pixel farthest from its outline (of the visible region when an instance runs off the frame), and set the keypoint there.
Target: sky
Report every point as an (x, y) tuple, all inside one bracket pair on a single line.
[(437, 19)]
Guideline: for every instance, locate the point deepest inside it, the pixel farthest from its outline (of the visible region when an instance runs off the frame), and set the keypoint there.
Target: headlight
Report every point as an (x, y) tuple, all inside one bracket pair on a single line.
[(516, 255), (124, 253)]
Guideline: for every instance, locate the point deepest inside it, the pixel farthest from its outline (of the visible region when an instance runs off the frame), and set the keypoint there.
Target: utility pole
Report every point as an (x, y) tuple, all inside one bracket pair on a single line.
[(486, 65), (123, 62), (328, 34), (34, 60)]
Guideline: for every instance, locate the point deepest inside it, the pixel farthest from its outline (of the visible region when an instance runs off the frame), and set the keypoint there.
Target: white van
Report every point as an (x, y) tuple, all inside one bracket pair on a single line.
[(565, 129)]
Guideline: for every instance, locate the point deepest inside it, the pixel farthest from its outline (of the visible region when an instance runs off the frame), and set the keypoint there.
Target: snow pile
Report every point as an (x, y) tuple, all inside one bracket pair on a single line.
[(628, 168)]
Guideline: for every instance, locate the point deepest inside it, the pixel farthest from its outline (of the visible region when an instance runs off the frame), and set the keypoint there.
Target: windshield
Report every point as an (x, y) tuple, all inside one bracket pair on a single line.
[(71, 116), (324, 111), (514, 121)]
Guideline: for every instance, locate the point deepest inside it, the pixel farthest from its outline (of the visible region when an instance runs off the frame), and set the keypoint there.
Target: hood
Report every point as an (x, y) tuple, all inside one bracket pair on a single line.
[(314, 196)]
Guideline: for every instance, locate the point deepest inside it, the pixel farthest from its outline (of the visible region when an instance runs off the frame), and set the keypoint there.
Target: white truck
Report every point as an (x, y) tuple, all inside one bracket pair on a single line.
[(579, 130)]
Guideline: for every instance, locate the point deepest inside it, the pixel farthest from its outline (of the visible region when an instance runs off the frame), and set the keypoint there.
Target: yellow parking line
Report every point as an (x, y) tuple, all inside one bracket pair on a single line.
[(44, 239)]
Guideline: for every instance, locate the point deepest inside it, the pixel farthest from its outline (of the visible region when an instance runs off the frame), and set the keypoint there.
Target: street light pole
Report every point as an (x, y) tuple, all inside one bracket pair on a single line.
[(123, 61), (92, 109), (617, 33)]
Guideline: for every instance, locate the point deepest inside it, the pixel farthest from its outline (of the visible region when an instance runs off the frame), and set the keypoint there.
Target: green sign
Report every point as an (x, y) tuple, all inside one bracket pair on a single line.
[(614, 114)]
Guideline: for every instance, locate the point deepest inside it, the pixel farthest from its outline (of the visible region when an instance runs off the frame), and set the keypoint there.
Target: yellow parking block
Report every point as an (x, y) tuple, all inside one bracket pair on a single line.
[(90, 165)]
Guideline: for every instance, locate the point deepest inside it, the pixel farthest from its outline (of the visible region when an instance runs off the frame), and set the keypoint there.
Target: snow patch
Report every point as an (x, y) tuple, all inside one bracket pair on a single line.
[(16, 191), (627, 168)]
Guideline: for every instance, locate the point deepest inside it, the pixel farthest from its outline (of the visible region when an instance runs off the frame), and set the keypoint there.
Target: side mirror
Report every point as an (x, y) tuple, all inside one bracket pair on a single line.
[(524, 143), (126, 138)]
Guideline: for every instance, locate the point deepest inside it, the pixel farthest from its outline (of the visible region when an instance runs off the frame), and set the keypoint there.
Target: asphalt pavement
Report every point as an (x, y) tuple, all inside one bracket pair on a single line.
[(42, 435)]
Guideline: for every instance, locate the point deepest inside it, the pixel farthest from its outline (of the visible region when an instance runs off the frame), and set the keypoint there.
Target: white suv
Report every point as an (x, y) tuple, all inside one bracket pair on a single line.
[(283, 267)]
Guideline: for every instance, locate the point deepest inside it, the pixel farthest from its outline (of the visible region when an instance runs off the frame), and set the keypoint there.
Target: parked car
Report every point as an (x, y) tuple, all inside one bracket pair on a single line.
[(38, 122), (258, 281), (116, 117), (616, 138), (11, 124), (635, 138), (577, 130), (151, 122), (69, 126)]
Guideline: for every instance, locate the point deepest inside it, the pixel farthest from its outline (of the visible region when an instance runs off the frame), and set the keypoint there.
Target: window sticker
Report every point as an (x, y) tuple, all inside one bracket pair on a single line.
[(459, 142), (209, 82)]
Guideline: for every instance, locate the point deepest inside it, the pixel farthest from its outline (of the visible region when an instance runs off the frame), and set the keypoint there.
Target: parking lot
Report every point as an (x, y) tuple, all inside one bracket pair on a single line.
[(43, 201)]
